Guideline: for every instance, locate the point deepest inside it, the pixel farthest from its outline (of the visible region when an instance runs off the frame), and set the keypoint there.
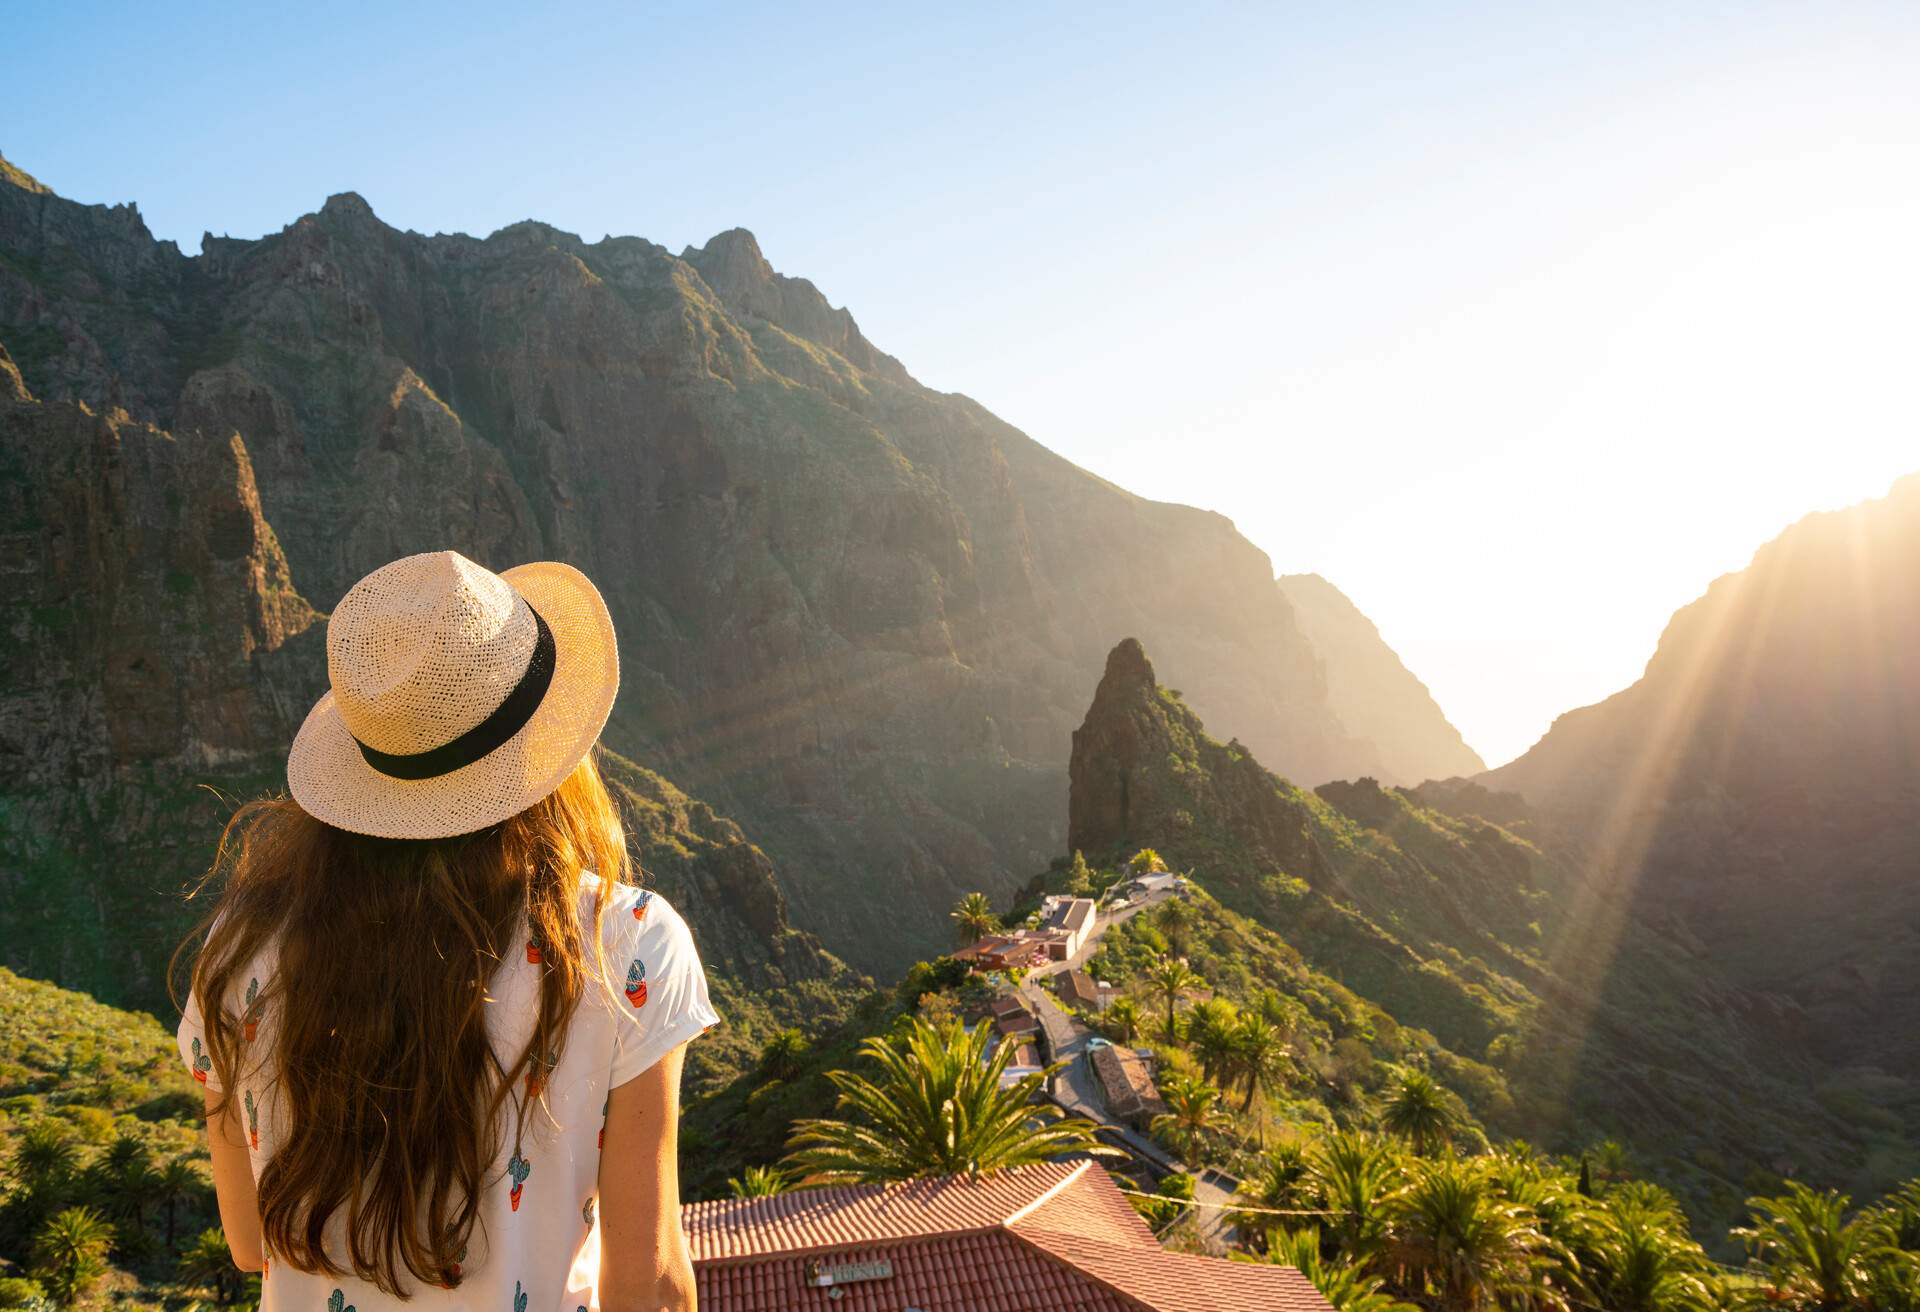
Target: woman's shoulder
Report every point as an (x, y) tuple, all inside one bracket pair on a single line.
[(629, 909)]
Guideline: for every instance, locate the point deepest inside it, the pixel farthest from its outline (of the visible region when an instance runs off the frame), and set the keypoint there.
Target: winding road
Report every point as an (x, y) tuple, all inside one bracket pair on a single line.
[(1076, 1089)]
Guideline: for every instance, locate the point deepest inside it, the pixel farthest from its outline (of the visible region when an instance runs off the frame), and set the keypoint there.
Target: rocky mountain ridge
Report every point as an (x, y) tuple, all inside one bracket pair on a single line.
[(855, 613)]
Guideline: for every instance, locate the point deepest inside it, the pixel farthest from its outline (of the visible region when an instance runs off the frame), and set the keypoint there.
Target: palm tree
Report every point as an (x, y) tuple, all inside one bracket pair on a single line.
[(759, 1182), (1175, 919), (1280, 1181), (1815, 1255), (1261, 1053), (177, 1180), (1145, 862), (1639, 1258), (45, 1156), (973, 917), (1420, 1112), (1458, 1238), (1210, 1033), (1899, 1212), (1611, 1161), (1193, 1108), (1356, 1177), (938, 1109), (1347, 1287), (1123, 1019), (70, 1252), (1169, 978), (124, 1179), (208, 1264), (780, 1058)]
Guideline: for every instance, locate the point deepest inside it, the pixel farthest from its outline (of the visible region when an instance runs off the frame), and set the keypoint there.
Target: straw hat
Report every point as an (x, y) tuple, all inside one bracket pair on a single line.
[(459, 696)]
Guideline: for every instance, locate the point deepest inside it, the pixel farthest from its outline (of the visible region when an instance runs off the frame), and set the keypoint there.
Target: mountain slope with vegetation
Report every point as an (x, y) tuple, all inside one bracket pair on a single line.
[(855, 613), (101, 1128), (1490, 942), (1373, 692), (1760, 785)]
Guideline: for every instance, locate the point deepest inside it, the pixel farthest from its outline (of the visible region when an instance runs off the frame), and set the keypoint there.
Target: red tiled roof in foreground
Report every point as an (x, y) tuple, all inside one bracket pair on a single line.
[(1040, 1237)]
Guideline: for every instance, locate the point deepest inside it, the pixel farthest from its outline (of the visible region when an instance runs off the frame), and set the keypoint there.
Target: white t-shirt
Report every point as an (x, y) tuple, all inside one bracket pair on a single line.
[(537, 1246)]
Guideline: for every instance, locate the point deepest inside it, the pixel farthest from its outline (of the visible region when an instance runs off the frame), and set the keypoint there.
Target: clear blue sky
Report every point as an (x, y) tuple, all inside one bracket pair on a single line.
[(1518, 322)]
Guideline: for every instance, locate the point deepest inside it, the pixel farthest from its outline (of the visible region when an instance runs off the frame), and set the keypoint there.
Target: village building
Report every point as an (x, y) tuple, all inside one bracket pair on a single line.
[(1003, 952), (1126, 1085), (1015, 1020), (1141, 887), (1079, 989), (1024, 1062), (1068, 922), (1054, 1235)]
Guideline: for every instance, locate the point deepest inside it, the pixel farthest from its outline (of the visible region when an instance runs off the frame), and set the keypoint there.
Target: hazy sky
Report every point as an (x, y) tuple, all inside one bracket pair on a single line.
[(1520, 326)]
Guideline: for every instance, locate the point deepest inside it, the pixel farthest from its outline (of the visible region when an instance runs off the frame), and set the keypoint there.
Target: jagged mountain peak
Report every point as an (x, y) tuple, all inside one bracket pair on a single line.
[(734, 266), (348, 205), (1127, 664), (733, 257)]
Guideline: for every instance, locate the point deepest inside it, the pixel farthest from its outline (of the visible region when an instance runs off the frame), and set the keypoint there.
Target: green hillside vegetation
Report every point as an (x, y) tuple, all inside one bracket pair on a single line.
[(1342, 1054), (1551, 1016), (1364, 1156), (105, 1155), (732, 1127)]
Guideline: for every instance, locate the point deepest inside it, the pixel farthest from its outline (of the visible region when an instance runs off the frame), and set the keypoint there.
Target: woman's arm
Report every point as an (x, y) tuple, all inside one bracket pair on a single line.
[(233, 1183), (644, 1263)]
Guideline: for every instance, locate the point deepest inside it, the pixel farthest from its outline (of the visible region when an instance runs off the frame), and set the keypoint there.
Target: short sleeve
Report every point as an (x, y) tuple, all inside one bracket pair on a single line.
[(657, 968), (192, 1038)]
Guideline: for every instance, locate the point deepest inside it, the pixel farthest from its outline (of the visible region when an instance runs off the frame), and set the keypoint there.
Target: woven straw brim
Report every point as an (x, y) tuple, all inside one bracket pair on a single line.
[(331, 779)]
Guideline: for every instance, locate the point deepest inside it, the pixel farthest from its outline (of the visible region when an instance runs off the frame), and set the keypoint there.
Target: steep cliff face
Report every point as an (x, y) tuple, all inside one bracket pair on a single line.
[(854, 612), (159, 659), (1601, 1019), (1373, 692), (154, 642), (1762, 780)]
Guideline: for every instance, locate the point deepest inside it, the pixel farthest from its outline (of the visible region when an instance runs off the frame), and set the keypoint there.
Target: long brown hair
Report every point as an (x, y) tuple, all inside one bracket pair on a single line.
[(395, 1103)]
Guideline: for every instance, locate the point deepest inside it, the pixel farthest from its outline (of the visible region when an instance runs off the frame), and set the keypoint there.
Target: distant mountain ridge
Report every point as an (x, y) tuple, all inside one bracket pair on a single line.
[(1373, 692), (856, 614), (1761, 782)]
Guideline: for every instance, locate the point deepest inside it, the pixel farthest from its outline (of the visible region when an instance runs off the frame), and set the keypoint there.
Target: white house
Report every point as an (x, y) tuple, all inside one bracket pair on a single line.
[(1069, 920)]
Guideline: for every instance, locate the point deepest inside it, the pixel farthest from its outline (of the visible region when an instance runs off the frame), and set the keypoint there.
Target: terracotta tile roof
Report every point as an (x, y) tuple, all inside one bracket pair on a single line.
[(992, 1272), (1181, 1282), (807, 1219), (1054, 1236), (1091, 1206), (1125, 1083)]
